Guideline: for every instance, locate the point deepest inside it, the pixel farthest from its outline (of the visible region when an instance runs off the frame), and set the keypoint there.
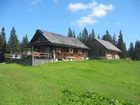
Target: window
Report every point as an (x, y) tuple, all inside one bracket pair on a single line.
[(71, 50), (47, 50), (80, 51), (58, 50)]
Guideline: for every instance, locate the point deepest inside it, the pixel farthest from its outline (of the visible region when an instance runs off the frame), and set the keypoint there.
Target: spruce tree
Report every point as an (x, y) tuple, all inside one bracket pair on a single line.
[(73, 34), (98, 36), (107, 36), (14, 42), (137, 50), (85, 36), (114, 40), (90, 38), (79, 36), (8, 49), (92, 35), (1, 47), (121, 45), (3, 35), (131, 51), (2, 44), (24, 43), (70, 32)]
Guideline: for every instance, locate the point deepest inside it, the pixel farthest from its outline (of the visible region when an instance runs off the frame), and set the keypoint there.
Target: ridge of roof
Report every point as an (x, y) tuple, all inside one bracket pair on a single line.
[(62, 40)]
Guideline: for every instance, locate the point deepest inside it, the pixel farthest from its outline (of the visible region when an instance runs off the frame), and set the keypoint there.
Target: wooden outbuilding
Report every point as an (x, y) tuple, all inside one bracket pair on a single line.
[(101, 49)]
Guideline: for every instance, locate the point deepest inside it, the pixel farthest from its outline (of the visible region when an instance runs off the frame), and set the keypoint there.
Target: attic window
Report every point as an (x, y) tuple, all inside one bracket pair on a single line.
[(71, 50)]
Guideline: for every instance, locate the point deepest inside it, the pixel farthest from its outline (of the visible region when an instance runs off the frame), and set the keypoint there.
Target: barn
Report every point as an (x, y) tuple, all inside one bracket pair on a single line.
[(102, 49)]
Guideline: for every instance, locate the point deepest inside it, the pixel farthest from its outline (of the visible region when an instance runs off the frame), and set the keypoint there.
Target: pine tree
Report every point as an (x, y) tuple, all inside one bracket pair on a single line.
[(73, 34), (137, 50), (14, 42), (121, 45), (131, 51), (1, 47), (107, 37), (3, 35), (92, 35), (70, 32), (8, 49), (114, 40), (2, 44), (24, 43), (85, 36), (90, 38)]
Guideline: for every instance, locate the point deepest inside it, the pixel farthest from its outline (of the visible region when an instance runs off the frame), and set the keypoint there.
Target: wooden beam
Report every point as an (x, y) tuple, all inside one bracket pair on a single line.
[(54, 55)]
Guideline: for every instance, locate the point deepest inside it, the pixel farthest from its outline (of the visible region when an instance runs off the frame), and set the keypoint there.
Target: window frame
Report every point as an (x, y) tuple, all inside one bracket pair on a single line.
[(71, 50), (79, 51), (58, 50)]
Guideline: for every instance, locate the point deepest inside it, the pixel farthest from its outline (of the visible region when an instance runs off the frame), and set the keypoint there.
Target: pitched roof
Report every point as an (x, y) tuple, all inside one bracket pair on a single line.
[(108, 45), (63, 40)]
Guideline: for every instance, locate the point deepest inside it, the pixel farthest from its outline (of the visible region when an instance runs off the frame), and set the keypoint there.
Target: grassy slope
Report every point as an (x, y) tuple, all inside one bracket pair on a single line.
[(43, 85)]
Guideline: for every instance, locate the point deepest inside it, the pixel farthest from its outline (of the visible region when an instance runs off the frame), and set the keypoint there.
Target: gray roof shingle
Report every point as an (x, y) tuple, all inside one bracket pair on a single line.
[(108, 45), (63, 40)]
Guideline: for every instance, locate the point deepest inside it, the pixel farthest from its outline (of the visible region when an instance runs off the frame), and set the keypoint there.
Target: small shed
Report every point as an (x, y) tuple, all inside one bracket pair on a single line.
[(104, 50)]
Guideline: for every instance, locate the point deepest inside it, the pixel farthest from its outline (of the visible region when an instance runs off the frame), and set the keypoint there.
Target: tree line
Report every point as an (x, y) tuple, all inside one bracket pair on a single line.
[(13, 45), (132, 52)]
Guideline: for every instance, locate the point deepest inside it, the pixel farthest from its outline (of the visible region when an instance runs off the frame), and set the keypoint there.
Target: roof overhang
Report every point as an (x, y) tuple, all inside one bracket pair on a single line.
[(55, 44)]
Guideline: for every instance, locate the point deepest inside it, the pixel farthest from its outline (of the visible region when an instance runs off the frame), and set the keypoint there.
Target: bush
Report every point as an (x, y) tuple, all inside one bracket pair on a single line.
[(88, 98)]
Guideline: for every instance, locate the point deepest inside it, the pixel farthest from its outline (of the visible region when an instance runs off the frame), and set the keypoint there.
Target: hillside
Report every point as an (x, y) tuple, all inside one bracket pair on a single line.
[(71, 83)]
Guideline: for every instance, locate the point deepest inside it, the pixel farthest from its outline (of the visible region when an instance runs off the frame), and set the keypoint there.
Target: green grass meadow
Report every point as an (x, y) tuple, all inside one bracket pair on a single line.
[(71, 83)]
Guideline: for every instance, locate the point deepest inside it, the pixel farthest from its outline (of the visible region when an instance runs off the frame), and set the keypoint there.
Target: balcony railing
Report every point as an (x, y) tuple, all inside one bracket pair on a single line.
[(41, 55), (33, 54)]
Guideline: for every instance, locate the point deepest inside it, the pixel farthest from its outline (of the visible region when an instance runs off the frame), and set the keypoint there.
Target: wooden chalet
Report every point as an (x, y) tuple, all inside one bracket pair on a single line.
[(51, 46), (104, 50)]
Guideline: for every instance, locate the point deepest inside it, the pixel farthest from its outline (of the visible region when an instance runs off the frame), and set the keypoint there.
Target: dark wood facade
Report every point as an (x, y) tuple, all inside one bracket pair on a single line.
[(47, 47), (101, 49), (60, 53)]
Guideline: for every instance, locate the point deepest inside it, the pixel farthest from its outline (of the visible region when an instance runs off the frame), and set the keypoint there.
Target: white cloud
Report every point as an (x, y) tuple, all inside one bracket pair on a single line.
[(74, 7), (34, 2), (95, 11), (101, 10), (86, 20)]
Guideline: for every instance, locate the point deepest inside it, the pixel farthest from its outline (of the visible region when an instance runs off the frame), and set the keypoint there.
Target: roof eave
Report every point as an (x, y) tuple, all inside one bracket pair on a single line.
[(114, 50)]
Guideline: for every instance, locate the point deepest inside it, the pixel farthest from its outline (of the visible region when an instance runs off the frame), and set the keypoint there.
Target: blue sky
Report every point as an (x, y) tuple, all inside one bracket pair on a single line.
[(57, 15)]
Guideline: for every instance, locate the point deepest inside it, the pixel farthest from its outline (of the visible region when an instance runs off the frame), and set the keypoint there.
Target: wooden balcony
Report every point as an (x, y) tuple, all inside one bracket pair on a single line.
[(41, 55)]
